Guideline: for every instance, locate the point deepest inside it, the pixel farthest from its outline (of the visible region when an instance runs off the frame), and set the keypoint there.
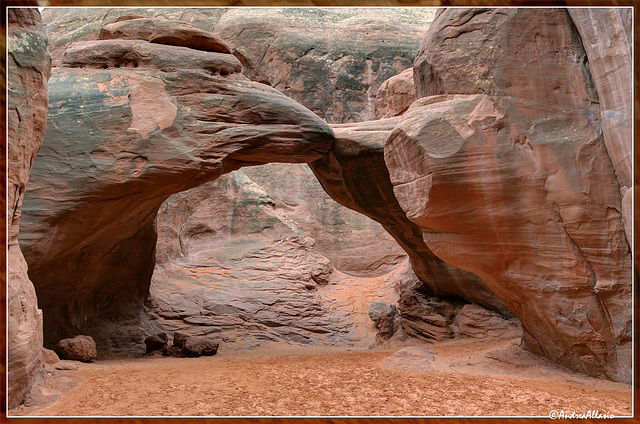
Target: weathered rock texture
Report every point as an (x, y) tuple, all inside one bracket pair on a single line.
[(606, 37), (502, 165), (229, 262), (331, 60), (69, 25), (395, 95), (353, 243), (28, 69), (130, 123), (354, 173), (78, 348)]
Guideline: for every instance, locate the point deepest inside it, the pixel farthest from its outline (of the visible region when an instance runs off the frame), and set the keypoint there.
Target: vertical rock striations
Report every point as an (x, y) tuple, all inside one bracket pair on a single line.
[(607, 42), (502, 165), (28, 69)]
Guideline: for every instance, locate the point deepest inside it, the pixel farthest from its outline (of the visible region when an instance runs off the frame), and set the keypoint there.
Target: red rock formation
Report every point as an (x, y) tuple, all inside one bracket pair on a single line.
[(28, 69), (606, 37), (229, 262), (395, 95), (130, 123), (331, 60), (355, 175), (510, 179)]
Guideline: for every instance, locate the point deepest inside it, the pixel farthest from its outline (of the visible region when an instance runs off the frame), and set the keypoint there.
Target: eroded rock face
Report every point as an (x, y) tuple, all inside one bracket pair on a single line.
[(606, 37), (395, 95), (130, 123), (28, 69), (229, 262), (336, 69), (354, 244), (331, 60), (503, 166), (354, 173)]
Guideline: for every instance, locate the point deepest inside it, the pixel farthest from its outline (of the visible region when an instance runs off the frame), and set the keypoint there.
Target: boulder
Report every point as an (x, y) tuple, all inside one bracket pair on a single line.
[(28, 69), (395, 95), (179, 339), (79, 348), (385, 315), (502, 165), (130, 123), (196, 346), (156, 341), (49, 357)]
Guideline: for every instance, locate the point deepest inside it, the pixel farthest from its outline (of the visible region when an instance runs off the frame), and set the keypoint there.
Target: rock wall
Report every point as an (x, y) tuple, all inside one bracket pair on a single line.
[(130, 123), (229, 262), (606, 37), (331, 60), (355, 174), (502, 164), (28, 69), (355, 244)]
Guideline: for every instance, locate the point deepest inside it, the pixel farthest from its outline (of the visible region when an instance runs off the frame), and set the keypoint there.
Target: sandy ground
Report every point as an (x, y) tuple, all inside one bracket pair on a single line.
[(459, 378)]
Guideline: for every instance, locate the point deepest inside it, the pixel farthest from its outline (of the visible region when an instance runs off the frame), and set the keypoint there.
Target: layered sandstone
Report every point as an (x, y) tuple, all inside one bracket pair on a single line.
[(354, 173), (230, 263), (28, 69), (331, 60), (503, 166), (606, 37), (395, 95), (130, 123)]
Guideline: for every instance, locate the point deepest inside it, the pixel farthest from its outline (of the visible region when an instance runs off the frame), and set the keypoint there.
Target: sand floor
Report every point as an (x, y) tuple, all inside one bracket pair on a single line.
[(459, 378)]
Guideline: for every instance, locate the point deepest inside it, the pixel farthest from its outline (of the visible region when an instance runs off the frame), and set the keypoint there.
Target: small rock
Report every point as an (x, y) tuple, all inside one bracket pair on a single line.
[(385, 315), (67, 366), (156, 342), (79, 348), (196, 346), (179, 339), (49, 357)]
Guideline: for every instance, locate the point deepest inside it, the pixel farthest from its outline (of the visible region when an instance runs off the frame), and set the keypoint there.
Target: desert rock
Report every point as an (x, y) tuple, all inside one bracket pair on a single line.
[(475, 321), (156, 341), (79, 348), (335, 69), (606, 37), (385, 315), (503, 167), (49, 356), (395, 95), (355, 174), (200, 346), (28, 69), (179, 118), (228, 261)]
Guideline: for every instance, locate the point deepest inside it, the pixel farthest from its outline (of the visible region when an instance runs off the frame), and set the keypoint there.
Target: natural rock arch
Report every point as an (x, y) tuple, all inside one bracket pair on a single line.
[(130, 123)]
